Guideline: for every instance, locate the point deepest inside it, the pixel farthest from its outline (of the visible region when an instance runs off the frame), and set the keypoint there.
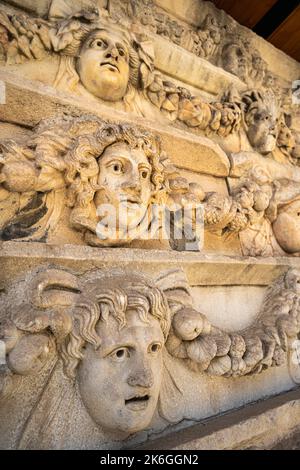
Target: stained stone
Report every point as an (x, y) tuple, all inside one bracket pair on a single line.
[(149, 241)]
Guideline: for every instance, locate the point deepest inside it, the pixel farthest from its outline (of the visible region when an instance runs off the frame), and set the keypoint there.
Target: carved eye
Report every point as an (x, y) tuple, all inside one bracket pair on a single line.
[(155, 348), (121, 52), (120, 354), (144, 174), (117, 168), (98, 44)]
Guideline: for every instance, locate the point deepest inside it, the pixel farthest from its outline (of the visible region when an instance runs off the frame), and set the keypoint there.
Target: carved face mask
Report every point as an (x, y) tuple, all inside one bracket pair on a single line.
[(235, 60), (286, 228), (103, 65), (263, 131), (126, 185), (120, 382)]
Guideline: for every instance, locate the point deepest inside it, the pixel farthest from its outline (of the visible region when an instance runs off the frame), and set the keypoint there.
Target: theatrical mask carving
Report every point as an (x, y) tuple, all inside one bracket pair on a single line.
[(110, 176), (103, 64), (111, 331), (98, 58), (262, 117), (267, 128)]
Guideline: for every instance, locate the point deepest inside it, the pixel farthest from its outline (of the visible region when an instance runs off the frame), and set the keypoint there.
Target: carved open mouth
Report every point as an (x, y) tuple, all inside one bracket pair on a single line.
[(113, 67), (137, 402), (134, 200), (131, 199)]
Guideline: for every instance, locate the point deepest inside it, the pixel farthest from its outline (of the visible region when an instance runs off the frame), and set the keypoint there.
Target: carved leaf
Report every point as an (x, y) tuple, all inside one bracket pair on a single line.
[(202, 351), (219, 366), (146, 76)]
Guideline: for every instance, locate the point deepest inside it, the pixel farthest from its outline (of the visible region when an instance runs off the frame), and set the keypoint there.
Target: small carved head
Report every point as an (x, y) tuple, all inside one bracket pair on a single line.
[(107, 63), (262, 114), (235, 59)]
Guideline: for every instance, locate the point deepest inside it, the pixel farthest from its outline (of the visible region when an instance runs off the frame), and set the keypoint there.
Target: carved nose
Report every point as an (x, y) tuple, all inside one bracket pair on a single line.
[(133, 186), (141, 378), (113, 52)]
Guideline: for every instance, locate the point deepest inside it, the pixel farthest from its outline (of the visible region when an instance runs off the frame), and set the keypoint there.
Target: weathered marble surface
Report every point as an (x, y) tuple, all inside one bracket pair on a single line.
[(152, 102)]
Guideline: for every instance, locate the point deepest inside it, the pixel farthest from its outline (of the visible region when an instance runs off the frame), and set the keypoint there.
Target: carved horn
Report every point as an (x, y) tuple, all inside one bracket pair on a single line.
[(50, 294), (175, 286), (52, 289)]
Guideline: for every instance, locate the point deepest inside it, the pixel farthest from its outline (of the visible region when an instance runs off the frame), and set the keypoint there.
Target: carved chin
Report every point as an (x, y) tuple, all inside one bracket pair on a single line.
[(267, 145), (109, 86)]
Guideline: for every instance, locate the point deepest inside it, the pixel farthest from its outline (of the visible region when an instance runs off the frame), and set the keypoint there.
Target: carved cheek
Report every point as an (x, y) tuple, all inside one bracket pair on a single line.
[(124, 70), (146, 190), (94, 58)]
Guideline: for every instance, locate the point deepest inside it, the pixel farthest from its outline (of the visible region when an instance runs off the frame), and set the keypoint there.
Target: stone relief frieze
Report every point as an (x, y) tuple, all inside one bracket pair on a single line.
[(104, 339), (128, 79), (87, 164), (221, 42), (126, 74), (108, 348), (72, 171)]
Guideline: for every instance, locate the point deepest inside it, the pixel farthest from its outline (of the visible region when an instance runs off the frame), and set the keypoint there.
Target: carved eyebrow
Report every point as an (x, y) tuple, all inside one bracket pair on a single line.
[(144, 166), (98, 37), (110, 349), (116, 158), (122, 46)]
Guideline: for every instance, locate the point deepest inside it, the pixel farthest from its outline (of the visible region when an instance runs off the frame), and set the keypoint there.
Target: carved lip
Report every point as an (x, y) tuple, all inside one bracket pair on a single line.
[(134, 200), (111, 64), (138, 402)]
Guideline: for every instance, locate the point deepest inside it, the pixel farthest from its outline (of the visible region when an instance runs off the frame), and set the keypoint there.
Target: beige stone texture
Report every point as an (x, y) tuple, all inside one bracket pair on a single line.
[(129, 340), (40, 102), (253, 428), (193, 12)]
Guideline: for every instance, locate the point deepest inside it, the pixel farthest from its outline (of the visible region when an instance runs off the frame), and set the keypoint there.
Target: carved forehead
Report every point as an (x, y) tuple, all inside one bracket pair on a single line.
[(262, 103), (136, 329), (123, 150)]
